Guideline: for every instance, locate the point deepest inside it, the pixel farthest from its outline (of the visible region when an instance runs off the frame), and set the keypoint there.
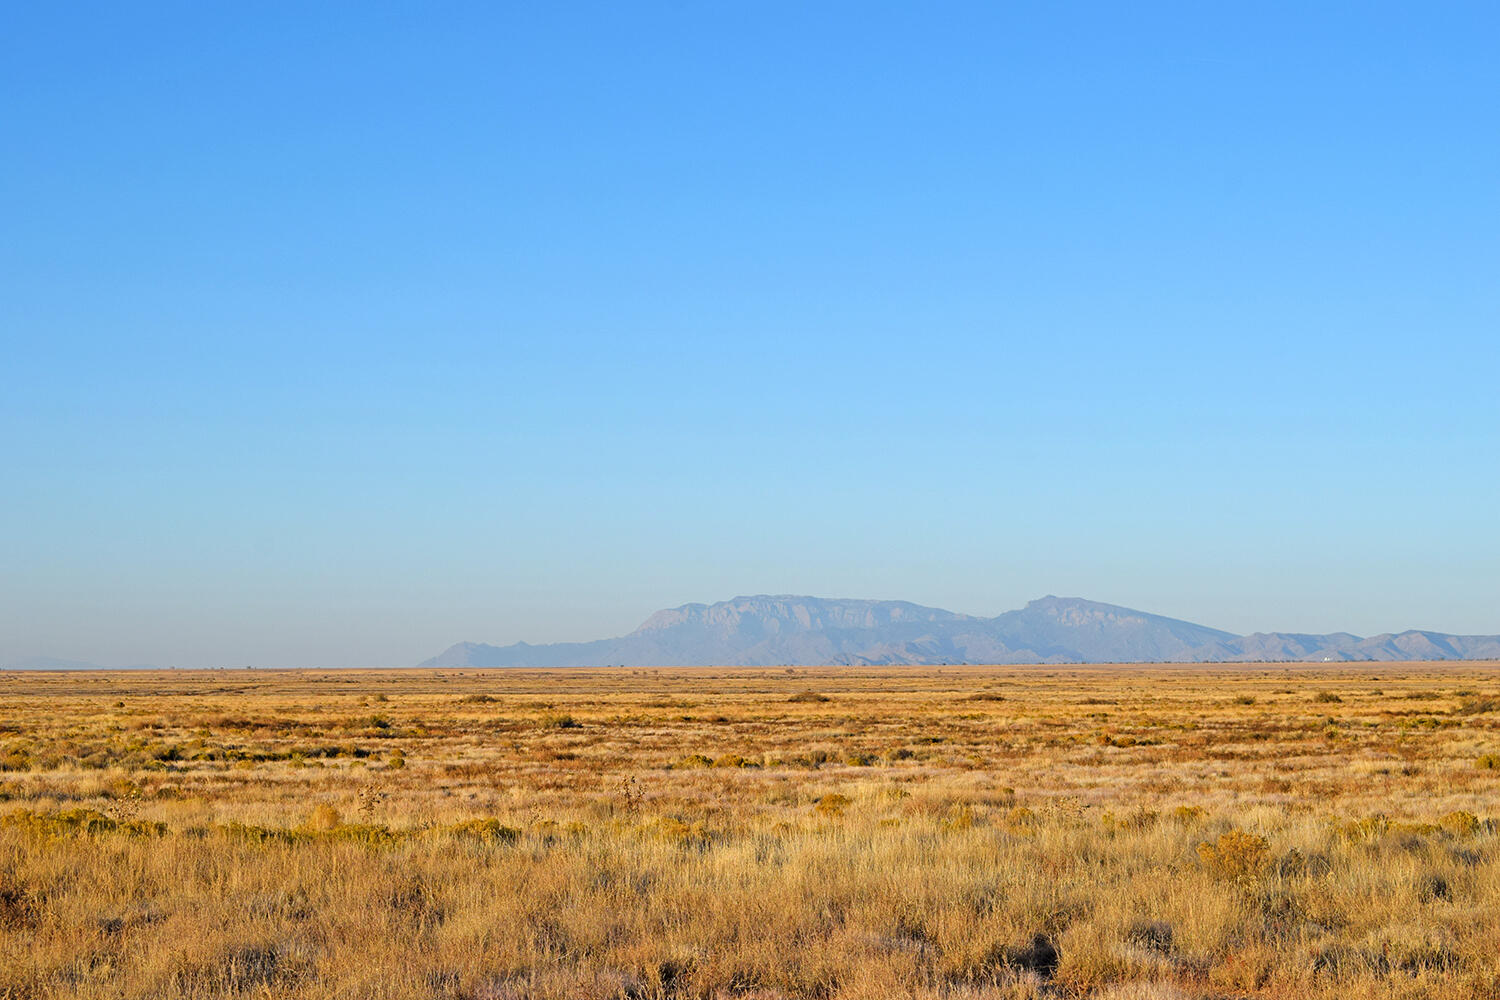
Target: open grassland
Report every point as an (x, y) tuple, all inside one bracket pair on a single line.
[(1125, 832)]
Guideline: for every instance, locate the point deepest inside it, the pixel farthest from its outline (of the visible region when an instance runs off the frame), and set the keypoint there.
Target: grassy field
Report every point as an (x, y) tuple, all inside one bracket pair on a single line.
[(1124, 832)]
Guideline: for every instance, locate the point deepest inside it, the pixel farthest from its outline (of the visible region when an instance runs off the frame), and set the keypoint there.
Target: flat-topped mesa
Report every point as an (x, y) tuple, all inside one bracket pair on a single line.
[(792, 613)]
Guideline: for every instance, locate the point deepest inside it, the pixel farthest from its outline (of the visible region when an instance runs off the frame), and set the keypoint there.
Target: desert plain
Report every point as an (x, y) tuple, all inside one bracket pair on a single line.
[(1166, 831)]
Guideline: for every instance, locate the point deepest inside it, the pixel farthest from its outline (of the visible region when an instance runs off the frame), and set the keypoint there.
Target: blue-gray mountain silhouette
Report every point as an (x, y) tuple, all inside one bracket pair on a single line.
[(813, 631)]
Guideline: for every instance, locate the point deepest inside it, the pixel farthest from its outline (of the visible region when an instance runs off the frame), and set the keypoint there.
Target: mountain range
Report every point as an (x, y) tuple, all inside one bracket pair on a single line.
[(785, 630)]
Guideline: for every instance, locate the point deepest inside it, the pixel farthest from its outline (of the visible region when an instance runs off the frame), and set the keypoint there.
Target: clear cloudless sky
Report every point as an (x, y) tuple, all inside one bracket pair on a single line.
[(336, 333)]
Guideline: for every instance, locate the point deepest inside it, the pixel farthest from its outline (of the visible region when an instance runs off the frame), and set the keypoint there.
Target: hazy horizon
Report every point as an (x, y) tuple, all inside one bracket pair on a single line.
[(624, 631), (335, 338)]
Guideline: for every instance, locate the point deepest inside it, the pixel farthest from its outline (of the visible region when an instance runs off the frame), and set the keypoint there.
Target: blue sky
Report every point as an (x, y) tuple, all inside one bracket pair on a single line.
[(333, 334)]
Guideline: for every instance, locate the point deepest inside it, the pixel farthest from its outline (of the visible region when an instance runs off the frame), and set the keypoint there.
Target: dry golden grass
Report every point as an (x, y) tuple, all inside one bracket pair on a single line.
[(1114, 833)]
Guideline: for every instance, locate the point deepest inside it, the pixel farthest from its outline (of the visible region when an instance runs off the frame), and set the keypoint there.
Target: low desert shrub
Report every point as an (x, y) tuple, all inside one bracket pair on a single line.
[(1020, 818), (71, 822), (488, 830), (1460, 823), (15, 758), (1236, 856), (735, 760), (1189, 815), (959, 817), (832, 804), (682, 832)]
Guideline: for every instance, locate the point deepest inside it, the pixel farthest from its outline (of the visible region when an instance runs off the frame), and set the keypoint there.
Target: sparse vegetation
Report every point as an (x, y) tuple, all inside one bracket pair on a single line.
[(1094, 834)]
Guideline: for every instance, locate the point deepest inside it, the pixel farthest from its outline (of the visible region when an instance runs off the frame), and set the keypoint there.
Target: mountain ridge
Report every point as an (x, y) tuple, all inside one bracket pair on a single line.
[(797, 630)]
